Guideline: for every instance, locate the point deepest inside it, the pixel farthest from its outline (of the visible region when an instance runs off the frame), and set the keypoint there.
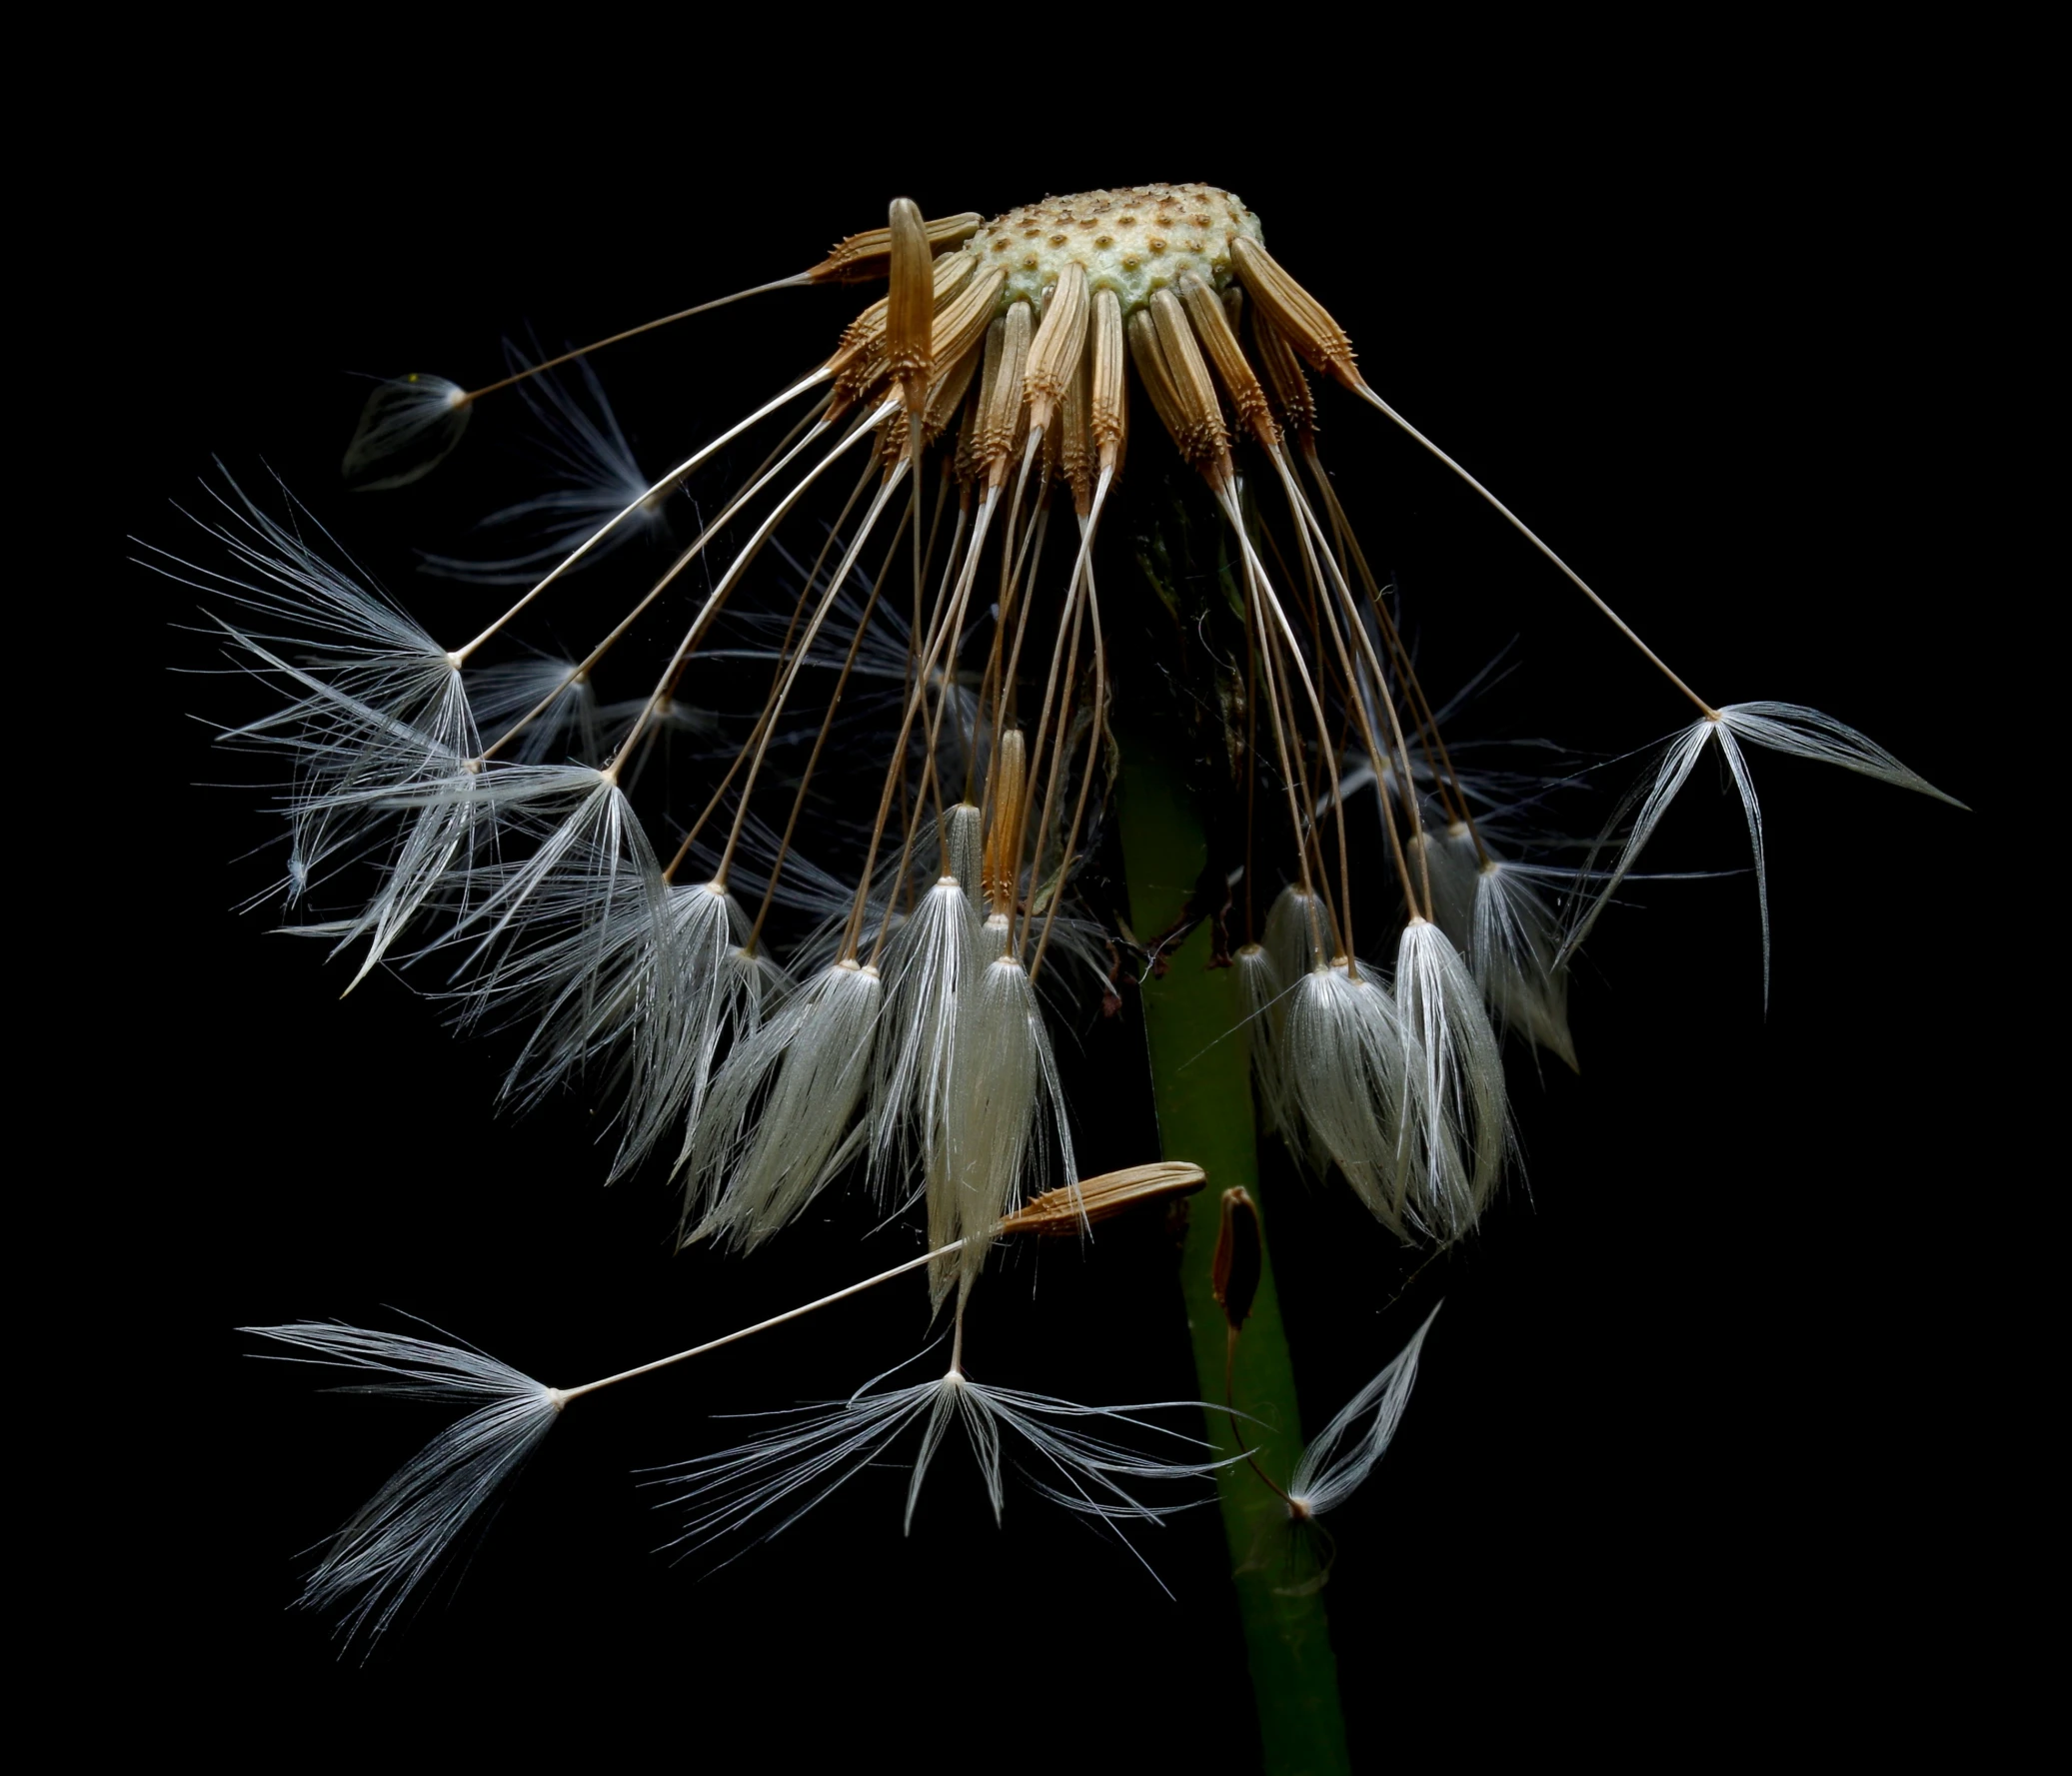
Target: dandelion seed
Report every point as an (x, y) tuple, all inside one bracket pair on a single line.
[(398, 1538), (1456, 1132), (1344, 1452), (1513, 949), (412, 424), (642, 997), (779, 1121), (1348, 1068), (379, 711), (595, 475), (710, 991), (767, 1484), (1007, 1129), (395, 1542), (1782, 727), (1261, 993), (589, 849), (406, 430), (929, 967), (1448, 856), (566, 726), (1298, 934)]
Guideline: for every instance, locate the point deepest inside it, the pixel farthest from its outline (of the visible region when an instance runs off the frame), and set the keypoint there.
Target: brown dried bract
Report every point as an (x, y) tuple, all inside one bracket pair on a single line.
[(1007, 784), (1055, 352), (1306, 323), (1108, 418), (1206, 442), (1149, 355), (862, 358), (909, 306), (1212, 322), (1003, 414), (1293, 399), (858, 257)]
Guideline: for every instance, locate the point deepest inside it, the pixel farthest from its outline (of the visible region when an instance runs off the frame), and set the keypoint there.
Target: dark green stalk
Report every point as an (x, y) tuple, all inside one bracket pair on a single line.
[(1201, 1083)]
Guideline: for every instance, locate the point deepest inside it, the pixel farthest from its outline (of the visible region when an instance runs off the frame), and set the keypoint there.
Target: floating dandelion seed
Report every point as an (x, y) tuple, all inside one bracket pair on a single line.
[(1341, 1455), (1782, 727), (399, 1537), (594, 476), (396, 1542), (1514, 949), (1070, 1454), (406, 429)]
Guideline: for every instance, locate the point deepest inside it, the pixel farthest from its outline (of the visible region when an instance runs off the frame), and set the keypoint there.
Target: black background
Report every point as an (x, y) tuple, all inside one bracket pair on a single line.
[(1680, 1443)]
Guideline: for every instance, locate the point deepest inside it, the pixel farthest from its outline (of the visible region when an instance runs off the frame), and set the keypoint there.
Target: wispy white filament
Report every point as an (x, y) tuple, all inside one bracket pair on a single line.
[(1261, 993), (377, 709), (1298, 934), (588, 848), (1448, 852), (1782, 727), (1646, 803), (406, 430), (710, 994), (1511, 952), (641, 994), (1007, 1134), (565, 727), (966, 829), (1347, 1072), (770, 1482), (1344, 1452), (397, 1538), (1807, 734), (928, 968), (780, 1117), (1456, 1132), (594, 474)]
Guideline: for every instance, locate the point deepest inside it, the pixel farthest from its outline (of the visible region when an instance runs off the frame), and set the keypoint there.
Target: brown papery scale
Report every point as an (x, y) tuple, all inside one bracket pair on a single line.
[(1235, 1277)]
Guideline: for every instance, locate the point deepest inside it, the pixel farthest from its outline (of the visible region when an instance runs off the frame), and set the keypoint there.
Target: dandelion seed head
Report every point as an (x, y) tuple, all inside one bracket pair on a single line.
[(912, 1052)]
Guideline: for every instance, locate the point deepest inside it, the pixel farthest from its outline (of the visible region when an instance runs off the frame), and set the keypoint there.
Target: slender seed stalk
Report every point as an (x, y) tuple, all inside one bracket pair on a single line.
[(563, 1395), (1202, 1088)]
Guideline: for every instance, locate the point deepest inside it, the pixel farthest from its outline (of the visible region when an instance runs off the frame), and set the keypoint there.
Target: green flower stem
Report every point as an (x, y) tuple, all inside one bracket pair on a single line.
[(1201, 1082)]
